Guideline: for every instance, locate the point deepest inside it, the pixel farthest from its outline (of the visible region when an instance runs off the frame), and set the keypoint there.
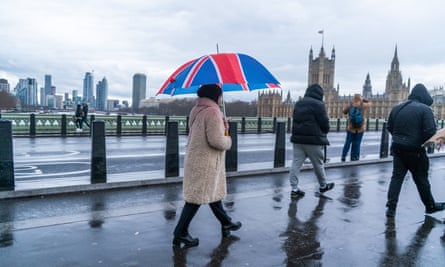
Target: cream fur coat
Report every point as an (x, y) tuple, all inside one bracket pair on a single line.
[(204, 163)]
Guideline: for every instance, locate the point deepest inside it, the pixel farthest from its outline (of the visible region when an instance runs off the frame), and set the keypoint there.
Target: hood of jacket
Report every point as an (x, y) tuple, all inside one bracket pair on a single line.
[(314, 91), (420, 93)]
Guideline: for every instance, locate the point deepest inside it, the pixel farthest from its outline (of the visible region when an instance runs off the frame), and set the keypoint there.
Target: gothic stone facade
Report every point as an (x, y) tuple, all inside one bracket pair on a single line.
[(322, 70), (271, 104)]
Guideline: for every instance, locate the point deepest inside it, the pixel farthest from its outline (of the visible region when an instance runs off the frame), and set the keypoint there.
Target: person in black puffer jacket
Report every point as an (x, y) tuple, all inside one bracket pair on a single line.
[(411, 124), (309, 136)]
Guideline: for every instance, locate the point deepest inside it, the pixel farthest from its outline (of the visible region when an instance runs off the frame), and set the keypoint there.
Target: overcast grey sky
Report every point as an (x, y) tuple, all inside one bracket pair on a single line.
[(118, 38)]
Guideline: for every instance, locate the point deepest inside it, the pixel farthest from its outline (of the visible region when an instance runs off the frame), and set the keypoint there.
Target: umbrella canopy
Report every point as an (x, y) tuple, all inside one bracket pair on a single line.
[(232, 71)]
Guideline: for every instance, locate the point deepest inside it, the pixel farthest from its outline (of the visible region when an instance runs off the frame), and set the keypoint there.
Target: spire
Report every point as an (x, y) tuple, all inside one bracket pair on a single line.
[(367, 87), (395, 61), (322, 54), (333, 53)]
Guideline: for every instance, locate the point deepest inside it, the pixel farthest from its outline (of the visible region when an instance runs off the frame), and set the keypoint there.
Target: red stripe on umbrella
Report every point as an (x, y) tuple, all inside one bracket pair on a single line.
[(171, 79), (229, 69), (188, 81)]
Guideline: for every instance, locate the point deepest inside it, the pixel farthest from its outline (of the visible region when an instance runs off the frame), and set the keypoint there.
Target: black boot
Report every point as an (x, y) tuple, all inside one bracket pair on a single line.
[(181, 234), (187, 240), (225, 229)]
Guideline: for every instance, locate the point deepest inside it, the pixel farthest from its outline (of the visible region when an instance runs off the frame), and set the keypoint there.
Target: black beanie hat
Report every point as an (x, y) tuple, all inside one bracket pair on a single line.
[(212, 91)]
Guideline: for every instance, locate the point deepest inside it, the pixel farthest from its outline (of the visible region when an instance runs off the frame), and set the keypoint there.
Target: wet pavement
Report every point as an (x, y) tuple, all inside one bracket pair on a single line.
[(133, 226)]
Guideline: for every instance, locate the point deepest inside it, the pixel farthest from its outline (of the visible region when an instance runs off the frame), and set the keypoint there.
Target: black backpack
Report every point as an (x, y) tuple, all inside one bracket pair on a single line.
[(356, 116)]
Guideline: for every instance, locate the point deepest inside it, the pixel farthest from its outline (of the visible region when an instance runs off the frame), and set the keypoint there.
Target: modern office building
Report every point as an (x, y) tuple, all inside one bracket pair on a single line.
[(102, 94), (4, 85), (47, 90), (112, 104), (26, 91), (88, 85), (139, 90)]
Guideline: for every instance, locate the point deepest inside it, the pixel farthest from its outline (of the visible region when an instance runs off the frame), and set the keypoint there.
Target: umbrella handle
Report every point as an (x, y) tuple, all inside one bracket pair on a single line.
[(226, 132)]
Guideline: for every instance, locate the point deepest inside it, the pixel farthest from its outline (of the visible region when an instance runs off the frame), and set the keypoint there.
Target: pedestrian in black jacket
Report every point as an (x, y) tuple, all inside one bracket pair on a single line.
[(411, 123), (309, 136)]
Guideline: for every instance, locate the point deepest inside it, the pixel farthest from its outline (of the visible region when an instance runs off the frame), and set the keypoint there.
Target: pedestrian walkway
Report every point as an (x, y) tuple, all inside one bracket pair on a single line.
[(133, 226), (35, 186)]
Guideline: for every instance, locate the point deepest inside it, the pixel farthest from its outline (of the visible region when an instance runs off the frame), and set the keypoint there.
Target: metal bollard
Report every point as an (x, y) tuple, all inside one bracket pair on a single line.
[(280, 146), (144, 125), (243, 125), (6, 156), (98, 153), (274, 125), (172, 150), (259, 125), (32, 125), (119, 125), (63, 126), (367, 124), (338, 124), (232, 153), (187, 125), (384, 142)]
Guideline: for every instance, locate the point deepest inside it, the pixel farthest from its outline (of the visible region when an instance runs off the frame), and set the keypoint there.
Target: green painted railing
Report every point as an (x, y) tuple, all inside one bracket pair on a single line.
[(52, 124)]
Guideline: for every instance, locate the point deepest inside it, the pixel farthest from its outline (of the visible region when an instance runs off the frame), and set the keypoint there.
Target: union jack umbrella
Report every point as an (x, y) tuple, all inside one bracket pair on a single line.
[(232, 71)]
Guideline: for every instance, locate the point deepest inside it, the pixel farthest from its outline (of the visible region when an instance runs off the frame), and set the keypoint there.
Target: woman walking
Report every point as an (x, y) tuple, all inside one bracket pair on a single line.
[(204, 165)]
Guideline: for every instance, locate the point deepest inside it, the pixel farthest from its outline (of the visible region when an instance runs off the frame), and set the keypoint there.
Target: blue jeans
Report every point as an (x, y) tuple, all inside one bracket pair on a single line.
[(355, 139)]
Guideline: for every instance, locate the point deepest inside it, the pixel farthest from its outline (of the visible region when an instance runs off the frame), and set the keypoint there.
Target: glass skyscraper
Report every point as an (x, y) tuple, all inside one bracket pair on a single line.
[(102, 94), (88, 85), (47, 90), (26, 91), (139, 89)]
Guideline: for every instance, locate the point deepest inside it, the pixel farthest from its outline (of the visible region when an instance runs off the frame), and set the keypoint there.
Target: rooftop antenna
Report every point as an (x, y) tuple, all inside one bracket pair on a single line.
[(217, 48)]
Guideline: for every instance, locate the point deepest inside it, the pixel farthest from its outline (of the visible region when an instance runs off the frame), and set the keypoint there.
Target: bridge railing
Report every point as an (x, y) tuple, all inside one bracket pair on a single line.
[(64, 124)]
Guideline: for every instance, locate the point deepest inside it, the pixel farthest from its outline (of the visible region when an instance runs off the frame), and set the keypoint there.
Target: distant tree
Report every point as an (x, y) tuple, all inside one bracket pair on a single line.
[(241, 109), (183, 106), (7, 101), (178, 107)]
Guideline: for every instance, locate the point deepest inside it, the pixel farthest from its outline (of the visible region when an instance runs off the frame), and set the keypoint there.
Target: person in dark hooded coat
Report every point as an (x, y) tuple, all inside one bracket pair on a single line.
[(411, 124), (309, 136)]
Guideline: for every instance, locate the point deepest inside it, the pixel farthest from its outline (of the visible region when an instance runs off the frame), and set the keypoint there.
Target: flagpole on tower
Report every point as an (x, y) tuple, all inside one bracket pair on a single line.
[(322, 36)]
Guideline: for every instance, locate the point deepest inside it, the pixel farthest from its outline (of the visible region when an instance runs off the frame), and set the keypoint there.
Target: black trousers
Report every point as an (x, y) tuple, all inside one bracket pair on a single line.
[(418, 164), (189, 211)]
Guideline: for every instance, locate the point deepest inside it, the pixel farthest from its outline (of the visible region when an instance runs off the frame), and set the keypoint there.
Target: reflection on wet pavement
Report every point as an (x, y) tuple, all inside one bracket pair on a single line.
[(302, 246), (393, 255)]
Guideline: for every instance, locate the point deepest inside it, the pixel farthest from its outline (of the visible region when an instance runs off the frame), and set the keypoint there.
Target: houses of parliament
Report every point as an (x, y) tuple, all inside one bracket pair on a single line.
[(322, 69)]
